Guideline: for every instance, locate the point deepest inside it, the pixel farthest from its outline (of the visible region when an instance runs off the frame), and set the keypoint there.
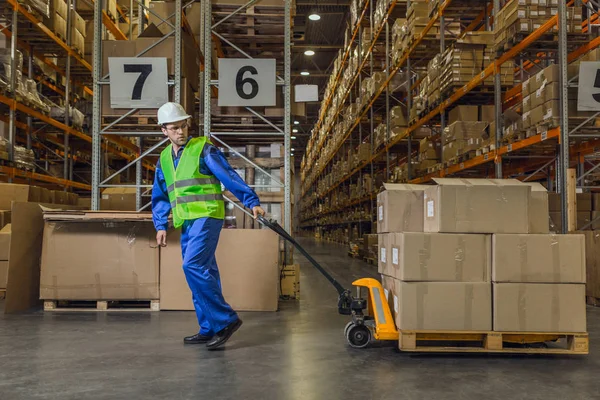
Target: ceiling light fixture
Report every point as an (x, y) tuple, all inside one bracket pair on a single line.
[(293, 137), (314, 17), (309, 53), (294, 130), (296, 123), (293, 149), (305, 73)]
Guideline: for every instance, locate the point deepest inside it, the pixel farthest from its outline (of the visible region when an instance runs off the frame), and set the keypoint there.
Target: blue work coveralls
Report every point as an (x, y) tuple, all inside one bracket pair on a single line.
[(199, 239)]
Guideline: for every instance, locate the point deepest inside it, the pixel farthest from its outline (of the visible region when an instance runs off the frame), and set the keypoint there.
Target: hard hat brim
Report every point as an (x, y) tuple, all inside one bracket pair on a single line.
[(175, 119)]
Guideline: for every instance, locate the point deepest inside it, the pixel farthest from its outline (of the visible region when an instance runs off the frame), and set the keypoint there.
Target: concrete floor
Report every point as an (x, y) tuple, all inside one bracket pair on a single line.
[(297, 353)]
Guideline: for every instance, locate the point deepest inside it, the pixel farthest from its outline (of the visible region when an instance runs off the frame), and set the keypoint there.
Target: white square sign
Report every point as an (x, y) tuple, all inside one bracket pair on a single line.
[(246, 82), (138, 82), (588, 97)]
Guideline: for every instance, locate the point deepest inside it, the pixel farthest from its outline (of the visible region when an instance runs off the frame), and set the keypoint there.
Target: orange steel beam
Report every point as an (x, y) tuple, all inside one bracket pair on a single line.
[(49, 33), (14, 172), (122, 14), (112, 28)]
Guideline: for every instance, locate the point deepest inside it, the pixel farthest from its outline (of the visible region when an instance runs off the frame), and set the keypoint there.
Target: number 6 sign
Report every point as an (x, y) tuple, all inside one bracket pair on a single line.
[(138, 82), (246, 82)]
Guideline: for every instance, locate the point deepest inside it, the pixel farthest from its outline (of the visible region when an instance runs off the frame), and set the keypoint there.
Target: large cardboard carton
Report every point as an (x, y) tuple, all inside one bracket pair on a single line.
[(59, 197), (444, 306), (584, 202), (4, 218), (538, 209), (463, 113), (592, 263), (5, 242), (384, 263), (442, 257), (10, 192), (122, 263), (389, 290), (539, 307), (538, 258), (120, 199), (477, 206), (249, 275), (3, 274), (400, 208)]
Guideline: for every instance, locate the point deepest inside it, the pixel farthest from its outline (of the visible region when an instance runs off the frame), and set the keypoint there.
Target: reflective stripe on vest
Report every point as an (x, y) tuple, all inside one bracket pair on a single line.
[(192, 195)]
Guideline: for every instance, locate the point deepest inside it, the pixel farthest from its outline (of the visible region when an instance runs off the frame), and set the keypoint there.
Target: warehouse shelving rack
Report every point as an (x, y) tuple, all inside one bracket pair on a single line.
[(28, 34), (567, 154), (219, 27)]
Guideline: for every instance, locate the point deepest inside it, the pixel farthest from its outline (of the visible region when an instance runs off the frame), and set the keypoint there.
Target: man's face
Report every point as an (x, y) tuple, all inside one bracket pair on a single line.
[(177, 132)]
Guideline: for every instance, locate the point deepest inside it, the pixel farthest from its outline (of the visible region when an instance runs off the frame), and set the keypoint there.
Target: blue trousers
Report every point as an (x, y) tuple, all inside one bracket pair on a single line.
[(199, 239)]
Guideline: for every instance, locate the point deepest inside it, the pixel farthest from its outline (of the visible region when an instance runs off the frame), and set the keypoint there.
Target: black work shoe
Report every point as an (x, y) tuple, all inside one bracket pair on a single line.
[(223, 336), (195, 339)]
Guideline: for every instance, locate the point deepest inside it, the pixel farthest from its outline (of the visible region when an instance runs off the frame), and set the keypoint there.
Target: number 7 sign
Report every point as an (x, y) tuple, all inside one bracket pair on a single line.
[(588, 97), (138, 82), (246, 82)]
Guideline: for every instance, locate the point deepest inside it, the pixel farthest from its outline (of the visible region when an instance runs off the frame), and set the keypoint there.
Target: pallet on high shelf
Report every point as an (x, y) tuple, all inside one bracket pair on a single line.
[(102, 305), (493, 342)]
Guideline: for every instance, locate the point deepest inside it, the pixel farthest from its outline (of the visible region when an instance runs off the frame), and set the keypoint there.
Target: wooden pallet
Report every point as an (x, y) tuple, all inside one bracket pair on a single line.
[(493, 342), (103, 305)]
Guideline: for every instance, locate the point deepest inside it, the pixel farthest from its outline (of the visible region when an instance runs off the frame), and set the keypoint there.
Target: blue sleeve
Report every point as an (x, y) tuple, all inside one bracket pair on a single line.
[(161, 207), (215, 161)]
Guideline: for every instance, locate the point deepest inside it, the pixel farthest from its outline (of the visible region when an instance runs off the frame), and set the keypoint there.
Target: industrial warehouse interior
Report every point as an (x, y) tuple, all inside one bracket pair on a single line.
[(299, 199)]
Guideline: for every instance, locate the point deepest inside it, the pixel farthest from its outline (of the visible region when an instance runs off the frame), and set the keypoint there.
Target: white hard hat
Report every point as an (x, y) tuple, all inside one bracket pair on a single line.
[(171, 112)]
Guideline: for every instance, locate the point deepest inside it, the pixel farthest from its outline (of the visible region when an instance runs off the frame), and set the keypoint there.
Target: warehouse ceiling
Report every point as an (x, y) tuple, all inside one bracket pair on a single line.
[(325, 37)]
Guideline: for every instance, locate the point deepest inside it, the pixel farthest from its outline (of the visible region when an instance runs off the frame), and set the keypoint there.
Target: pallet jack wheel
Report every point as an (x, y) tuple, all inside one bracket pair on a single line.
[(348, 326), (358, 336)]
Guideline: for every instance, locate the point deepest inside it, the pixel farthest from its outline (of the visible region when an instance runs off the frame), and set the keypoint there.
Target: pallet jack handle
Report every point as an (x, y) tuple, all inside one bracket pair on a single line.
[(274, 226)]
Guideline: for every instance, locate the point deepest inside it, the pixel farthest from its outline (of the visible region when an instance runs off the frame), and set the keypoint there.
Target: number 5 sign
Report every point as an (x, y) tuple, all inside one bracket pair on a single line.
[(138, 82), (246, 82), (588, 98)]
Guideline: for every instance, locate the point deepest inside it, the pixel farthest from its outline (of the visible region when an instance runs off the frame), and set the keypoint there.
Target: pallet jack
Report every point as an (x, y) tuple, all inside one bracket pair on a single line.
[(371, 319)]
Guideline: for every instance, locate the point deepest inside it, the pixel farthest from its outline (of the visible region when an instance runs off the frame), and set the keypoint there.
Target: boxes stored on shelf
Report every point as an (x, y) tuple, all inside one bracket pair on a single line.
[(58, 25), (58, 7), (77, 41), (463, 130), (463, 113), (533, 258), (10, 192), (249, 277), (400, 208), (120, 199), (444, 306), (78, 23), (441, 257), (539, 307), (476, 206), (71, 269)]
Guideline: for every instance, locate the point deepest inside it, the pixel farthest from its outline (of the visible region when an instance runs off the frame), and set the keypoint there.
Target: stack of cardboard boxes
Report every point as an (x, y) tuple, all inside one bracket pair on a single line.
[(10, 192), (57, 21), (519, 18), (429, 154), (541, 106), (469, 128), (474, 255)]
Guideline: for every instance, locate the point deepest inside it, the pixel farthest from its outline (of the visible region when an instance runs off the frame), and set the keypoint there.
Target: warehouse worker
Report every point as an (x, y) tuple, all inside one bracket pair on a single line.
[(188, 181)]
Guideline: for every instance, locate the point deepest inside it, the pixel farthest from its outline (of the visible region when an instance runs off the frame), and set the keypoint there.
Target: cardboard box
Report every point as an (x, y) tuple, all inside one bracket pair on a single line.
[(3, 274), (389, 290), (121, 199), (442, 257), (5, 234), (592, 263), (553, 201), (58, 7), (595, 201), (444, 306), (123, 263), (58, 25), (536, 258), (78, 23), (400, 208), (59, 197), (463, 113), (548, 75), (583, 219), (384, 263), (584, 202), (539, 307), (538, 208), (10, 192), (477, 206), (249, 275), (4, 218)]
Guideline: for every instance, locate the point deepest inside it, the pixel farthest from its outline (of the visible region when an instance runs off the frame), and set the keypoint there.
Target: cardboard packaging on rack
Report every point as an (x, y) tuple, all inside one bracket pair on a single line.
[(249, 275), (400, 208), (531, 258), (442, 257), (444, 306), (539, 307), (477, 206), (122, 264)]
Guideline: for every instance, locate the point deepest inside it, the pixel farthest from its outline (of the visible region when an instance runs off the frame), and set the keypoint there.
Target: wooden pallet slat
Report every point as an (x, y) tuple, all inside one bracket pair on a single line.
[(102, 305), (493, 342)]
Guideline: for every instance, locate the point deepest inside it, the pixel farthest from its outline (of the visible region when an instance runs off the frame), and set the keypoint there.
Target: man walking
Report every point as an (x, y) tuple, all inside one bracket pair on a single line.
[(187, 182)]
